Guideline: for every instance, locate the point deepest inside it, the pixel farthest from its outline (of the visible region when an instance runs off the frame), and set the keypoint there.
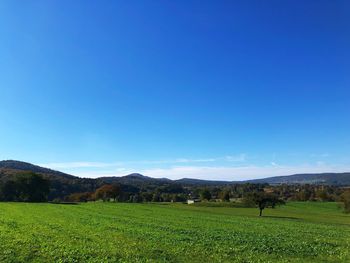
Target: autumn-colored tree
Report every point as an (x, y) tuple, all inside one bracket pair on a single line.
[(81, 197), (108, 192)]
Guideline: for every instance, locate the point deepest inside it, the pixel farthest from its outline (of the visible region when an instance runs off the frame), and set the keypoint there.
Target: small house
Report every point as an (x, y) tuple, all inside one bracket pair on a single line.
[(192, 201)]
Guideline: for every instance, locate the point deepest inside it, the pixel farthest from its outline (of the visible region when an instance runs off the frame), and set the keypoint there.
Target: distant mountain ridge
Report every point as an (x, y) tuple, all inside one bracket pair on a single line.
[(317, 178), (136, 179), (11, 166)]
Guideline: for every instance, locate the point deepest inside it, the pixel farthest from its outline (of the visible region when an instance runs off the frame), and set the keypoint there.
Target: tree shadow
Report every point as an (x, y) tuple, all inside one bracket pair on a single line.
[(283, 217), (64, 203)]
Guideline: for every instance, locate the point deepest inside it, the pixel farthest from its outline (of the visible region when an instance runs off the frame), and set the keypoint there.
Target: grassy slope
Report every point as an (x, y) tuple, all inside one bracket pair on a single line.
[(301, 232)]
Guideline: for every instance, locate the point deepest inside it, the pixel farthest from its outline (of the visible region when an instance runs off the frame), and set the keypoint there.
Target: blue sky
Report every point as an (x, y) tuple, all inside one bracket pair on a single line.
[(206, 89)]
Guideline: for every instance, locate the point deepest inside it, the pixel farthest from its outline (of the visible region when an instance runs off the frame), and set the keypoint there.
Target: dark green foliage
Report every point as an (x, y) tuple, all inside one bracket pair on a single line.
[(156, 197), (135, 198), (224, 195), (172, 189), (146, 196), (8, 191), (205, 195), (32, 188), (25, 187), (345, 198)]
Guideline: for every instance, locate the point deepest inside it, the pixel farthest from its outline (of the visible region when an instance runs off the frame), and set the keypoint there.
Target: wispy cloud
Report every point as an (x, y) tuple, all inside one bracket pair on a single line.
[(70, 165), (172, 161), (320, 155), (85, 164), (236, 158), (241, 172), (218, 172), (230, 167)]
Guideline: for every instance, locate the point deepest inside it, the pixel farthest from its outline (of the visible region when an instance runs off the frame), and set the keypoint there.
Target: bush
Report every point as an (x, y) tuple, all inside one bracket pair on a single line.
[(56, 201)]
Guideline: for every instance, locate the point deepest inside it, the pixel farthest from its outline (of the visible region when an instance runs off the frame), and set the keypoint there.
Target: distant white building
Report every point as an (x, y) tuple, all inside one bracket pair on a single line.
[(192, 201)]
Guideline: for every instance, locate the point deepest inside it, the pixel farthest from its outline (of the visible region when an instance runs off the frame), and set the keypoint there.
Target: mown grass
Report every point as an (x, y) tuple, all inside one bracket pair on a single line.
[(120, 232)]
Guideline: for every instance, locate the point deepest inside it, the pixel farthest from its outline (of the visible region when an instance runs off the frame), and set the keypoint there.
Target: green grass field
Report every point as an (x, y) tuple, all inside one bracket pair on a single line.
[(120, 232)]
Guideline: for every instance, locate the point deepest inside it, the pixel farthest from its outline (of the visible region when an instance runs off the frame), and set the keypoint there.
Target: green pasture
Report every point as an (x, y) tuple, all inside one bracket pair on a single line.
[(121, 232)]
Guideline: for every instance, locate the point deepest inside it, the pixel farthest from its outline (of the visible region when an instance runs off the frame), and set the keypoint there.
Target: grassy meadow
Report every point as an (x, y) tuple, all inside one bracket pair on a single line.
[(121, 232)]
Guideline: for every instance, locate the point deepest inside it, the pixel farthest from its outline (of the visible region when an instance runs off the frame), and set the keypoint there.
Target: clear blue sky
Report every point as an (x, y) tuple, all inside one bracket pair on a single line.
[(205, 89)]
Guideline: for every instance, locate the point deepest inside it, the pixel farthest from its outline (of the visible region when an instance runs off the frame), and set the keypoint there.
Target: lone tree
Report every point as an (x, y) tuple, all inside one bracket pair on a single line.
[(263, 200)]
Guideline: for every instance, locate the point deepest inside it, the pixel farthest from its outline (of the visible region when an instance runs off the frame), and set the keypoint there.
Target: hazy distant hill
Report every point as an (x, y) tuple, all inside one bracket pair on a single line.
[(322, 178), (136, 179), (190, 181)]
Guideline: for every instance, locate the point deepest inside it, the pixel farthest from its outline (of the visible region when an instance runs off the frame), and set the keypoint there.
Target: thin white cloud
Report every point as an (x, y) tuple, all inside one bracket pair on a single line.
[(239, 173), (70, 165), (219, 172), (85, 164), (179, 160), (229, 167), (236, 158), (320, 155)]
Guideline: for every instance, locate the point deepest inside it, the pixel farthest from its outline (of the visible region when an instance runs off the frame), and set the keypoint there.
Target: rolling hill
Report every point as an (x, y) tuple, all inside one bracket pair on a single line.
[(63, 184)]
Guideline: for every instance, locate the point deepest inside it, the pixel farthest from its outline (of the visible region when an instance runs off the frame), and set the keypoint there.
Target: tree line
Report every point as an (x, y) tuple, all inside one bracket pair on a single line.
[(32, 187), (25, 187), (250, 195)]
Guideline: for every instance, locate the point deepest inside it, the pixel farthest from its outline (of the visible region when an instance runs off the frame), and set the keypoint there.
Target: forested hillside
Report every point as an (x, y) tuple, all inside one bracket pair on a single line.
[(139, 188)]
